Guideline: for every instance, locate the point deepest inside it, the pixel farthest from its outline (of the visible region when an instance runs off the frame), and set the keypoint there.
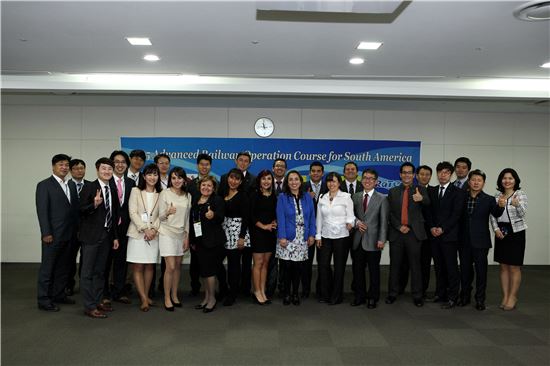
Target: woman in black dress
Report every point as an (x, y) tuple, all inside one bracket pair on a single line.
[(207, 213), (263, 231), (510, 230), (237, 245)]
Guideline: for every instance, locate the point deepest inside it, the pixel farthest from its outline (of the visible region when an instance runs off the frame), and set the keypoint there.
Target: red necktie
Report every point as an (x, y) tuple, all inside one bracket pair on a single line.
[(405, 207), (119, 191), (365, 202)]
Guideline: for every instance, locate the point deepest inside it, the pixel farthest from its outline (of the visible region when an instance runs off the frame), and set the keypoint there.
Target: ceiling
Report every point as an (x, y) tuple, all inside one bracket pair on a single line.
[(445, 48)]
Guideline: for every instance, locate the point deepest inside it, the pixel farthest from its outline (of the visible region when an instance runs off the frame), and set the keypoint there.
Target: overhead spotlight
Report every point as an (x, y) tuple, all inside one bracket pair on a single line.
[(356, 61), (151, 58), (369, 45), (139, 41)]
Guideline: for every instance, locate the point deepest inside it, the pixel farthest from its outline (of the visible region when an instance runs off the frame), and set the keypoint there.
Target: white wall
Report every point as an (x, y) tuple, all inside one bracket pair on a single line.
[(35, 128)]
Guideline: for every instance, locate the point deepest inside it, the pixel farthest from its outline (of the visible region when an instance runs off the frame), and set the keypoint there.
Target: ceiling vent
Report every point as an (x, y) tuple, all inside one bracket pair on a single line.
[(533, 11)]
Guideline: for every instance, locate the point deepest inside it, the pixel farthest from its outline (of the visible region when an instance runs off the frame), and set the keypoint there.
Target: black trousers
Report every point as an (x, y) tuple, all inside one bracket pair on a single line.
[(292, 273), (425, 265), (405, 243), (95, 256), (239, 270), (272, 275), (404, 273), (447, 280), (117, 262), (332, 283), (307, 272), (194, 272), (74, 247), (470, 258), (53, 272), (362, 260)]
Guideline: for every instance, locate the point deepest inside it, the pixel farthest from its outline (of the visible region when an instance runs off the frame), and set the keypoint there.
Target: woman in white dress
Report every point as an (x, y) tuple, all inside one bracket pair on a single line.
[(143, 245), (174, 207)]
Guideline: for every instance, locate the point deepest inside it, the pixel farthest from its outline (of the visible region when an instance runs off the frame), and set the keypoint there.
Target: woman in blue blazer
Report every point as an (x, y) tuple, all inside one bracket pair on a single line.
[(295, 233)]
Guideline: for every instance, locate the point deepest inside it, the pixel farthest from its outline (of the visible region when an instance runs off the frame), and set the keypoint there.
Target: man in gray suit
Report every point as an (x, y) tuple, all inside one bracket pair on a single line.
[(57, 210), (406, 232), (371, 213)]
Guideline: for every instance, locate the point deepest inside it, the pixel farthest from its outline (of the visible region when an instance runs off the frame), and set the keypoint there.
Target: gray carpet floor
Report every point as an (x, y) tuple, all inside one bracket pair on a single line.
[(248, 334)]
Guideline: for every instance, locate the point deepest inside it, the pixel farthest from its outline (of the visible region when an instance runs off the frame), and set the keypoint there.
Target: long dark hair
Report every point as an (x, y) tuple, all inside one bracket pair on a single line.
[(514, 174), (262, 174), (286, 188), (150, 169), (330, 177), (180, 173)]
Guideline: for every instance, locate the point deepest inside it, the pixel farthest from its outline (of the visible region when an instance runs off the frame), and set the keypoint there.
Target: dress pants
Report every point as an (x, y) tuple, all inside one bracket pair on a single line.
[(74, 247), (447, 279), (332, 283), (307, 272), (292, 273), (405, 243), (470, 258), (93, 269), (404, 274), (53, 272), (239, 266), (194, 272), (116, 260), (426, 265), (362, 260)]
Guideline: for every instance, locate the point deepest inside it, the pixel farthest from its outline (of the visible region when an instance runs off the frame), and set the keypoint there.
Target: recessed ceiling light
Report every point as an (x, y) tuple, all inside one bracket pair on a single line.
[(546, 65), (356, 61), (139, 41), (369, 45), (151, 58)]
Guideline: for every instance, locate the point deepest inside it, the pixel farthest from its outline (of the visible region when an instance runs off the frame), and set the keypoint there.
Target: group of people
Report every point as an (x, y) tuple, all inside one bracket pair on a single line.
[(269, 228)]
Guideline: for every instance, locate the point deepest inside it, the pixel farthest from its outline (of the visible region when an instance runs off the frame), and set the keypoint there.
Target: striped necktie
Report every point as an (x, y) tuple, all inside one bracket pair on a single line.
[(108, 214)]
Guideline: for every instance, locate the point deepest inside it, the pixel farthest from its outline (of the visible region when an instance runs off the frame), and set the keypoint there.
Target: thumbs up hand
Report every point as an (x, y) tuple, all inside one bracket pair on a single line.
[(515, 201), (171, 210), (417, 197), (98, 200), (209, 213)]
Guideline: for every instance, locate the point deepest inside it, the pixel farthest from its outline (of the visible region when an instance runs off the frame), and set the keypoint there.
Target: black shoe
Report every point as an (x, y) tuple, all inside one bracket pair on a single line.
[(448, 305), (49, 307), (65, 300), (295, 300), (463, 302), (169, 308), (256, 301), (200, 306), (209, 310), (322, 301), (390, 300), (480, 306), (229, 301), (371, 304), (335, 302), (176, 304), (418, 302), (286, 300), (357, 302)]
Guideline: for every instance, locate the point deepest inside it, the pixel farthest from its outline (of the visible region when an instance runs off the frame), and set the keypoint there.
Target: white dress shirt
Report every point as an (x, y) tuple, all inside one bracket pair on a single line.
[(332, 217), (64, 187)]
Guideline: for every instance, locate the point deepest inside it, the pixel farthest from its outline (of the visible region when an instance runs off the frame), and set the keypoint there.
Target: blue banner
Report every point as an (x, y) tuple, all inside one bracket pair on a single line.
[(384, 156)]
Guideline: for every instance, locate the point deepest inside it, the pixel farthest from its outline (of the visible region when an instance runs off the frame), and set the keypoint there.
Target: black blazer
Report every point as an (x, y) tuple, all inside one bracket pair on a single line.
[(306, 187), (212, 230), (415, 209), (123, 212), (344, 186), (445, 212), (92, 219), (474, 227), (56, 216)]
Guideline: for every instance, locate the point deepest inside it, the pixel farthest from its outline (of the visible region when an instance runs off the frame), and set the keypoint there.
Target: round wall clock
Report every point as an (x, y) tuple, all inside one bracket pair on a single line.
[(264, 127)]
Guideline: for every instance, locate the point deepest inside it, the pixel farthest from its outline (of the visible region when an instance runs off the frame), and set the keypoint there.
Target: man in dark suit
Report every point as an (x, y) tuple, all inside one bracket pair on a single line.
[(98, 231), (137, 160), (117, 258), (406, 232), (57, 210), (423, 177), (443, 218), (315, 187), (371, 212), (475, 238), (462, 168), (78, 171), (243, 161)]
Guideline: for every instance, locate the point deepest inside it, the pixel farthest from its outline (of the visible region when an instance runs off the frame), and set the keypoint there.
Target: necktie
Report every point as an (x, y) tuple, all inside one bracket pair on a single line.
[(405, 207), (351, 191), (108, 215), (441, 189), (316, 189), (67, 191), (119, 190), (458, 184), (79, 188), (279, 189), (365, 202)]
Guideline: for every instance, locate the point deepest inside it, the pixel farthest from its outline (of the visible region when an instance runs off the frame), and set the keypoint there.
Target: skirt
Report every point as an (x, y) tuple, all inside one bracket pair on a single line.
[(263, 241), (511, 249), (232, 228), (171, 246), (140, 251), (210, 260)]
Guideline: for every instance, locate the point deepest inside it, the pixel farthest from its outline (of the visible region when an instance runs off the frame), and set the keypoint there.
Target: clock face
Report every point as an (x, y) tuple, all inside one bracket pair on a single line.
[(264, 127)]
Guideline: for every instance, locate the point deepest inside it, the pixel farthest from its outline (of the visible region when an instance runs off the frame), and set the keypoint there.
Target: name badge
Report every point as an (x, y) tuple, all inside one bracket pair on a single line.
[(145, 217), (198, 229)]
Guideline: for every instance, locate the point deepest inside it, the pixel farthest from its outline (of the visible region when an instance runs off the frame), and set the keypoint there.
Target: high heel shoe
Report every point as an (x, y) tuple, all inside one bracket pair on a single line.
[(296, 300), (168, 308), (256, 301), (144, 307), (176, 304), (200, 306), (286, 300), (209, 310)]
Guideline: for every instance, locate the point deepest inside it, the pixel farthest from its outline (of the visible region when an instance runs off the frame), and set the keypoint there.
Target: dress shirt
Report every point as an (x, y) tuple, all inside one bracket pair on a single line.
[(444, 189), (103, 185), (133, 176), (332, 217), (460, 182), (354, 184), (64, 187), (316, 187), (164, 182)]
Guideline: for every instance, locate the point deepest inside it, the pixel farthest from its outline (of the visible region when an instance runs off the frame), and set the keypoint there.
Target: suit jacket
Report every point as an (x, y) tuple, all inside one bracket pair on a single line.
[(306, 187), (136, 207), (416, 218), (286, 217), (56, 215), (445, 212), (123, 212), (474, 227), (376, 219), (213, 234), (344, 185), (92, 219), (248, 185)]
